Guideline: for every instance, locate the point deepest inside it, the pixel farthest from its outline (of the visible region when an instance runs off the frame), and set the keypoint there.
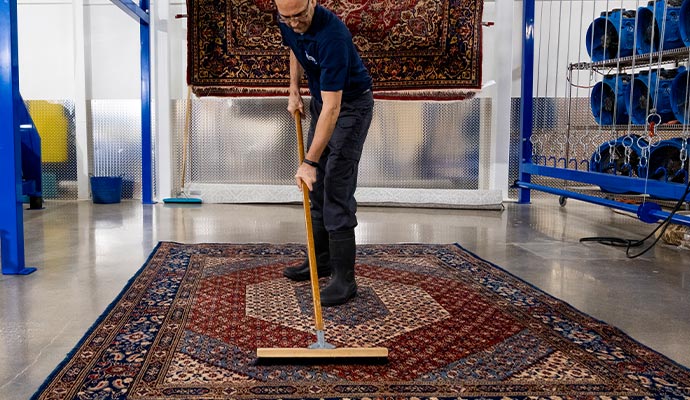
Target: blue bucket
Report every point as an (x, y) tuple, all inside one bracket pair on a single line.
[(679, 96), (608, 98), (106, 189), (650, 19), (609, 32), (645, 95), (664, 161)]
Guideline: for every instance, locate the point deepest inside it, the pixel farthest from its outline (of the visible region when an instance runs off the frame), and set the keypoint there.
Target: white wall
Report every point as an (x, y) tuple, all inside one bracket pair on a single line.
[(177, 30), (112, 52), (47, 51)]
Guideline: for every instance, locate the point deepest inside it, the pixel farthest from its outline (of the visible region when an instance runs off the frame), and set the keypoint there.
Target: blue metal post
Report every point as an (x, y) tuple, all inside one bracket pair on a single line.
[(11, 212), (526, 102), (146, 142), (141, 14)]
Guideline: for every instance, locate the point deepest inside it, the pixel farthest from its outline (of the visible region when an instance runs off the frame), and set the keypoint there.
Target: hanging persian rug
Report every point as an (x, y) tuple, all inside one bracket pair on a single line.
[(414, 49)]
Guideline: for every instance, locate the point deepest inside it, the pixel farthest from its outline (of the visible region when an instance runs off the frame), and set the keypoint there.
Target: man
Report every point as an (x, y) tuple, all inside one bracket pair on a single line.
[(341, 108)]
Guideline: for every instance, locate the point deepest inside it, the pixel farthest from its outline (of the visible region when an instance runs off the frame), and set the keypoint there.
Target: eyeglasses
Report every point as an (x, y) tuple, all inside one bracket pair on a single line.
[(295, 17)]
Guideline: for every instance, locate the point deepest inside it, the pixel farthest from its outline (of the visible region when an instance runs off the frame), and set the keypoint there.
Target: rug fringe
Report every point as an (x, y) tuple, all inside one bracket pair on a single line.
[(431, 94)]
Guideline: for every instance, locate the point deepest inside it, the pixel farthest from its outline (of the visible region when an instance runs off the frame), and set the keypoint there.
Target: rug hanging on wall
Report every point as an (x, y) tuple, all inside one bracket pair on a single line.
[(188, 324), (414, 49)]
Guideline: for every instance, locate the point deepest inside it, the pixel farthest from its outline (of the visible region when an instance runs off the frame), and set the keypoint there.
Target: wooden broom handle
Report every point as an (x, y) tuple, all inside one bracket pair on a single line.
[(185, 134), (318, 318)]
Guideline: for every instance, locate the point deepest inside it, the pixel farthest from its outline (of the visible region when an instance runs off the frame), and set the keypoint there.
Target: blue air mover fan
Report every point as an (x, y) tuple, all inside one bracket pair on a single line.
[(679, 97), (650, 20), (684, 23), (614, 162), (665, 164), (648, 93), (609, 32), (608, 100)]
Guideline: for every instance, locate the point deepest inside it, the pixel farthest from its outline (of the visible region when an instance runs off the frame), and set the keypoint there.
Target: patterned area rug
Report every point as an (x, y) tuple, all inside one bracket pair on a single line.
[(414, 49), (188, 324)]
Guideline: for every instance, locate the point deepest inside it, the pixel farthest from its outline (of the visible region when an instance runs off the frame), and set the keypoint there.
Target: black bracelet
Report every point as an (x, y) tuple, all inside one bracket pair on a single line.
[(312, 163)]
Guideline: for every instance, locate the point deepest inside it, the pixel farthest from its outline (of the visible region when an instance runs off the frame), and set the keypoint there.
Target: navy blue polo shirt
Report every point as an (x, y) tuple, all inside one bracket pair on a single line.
[(328, 56)]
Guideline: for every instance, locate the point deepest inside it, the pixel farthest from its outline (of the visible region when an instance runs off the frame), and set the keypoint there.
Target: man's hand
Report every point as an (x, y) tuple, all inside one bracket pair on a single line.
[(307, 174), (295, 103)]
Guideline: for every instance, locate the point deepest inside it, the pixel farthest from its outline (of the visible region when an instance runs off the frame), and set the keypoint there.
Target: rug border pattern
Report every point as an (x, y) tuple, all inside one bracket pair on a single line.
[(600, 329)]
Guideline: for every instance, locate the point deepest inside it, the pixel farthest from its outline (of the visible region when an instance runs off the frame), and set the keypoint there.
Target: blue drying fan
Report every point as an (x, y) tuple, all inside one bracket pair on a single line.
[(684, 23), (651, 19), (607, 100), (613, 161), (665, 164), (652, 89), (612, 32), (679, 97)]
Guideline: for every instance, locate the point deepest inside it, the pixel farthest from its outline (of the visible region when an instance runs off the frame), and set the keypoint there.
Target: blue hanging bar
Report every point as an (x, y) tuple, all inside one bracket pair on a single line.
[(11, 212)]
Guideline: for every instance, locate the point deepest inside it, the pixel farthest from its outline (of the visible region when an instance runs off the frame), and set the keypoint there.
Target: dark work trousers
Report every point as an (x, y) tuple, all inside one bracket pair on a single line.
[(333, 195)]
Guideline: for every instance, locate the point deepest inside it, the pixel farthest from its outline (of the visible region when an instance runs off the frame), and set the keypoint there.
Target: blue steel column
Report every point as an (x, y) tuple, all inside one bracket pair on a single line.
[(11, 212), (526, 100), (146, 142), (141, 14)]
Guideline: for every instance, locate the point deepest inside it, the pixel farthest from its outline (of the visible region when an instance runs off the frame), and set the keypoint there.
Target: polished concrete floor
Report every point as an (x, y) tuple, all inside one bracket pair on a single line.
[(86, 253)]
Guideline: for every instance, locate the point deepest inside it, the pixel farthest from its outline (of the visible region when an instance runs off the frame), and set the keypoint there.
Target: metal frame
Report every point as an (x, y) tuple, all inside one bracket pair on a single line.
[(141, 14), (11, 210), (526, 102), (648, 211)]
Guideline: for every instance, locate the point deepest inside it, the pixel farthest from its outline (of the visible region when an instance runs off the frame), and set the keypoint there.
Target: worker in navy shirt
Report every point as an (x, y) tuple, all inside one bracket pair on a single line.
[(341, 108)]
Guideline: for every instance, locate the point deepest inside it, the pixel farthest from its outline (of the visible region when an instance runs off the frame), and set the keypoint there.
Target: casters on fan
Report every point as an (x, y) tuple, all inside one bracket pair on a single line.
[(562, 201)]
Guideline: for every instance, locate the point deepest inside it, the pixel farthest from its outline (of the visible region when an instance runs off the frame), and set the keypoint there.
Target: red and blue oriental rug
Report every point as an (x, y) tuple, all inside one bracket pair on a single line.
[(414, 49), (188, 324)]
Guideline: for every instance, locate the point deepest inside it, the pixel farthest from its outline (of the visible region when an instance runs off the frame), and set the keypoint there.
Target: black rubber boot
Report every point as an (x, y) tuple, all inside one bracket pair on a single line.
[(342, 286), (301, 272)]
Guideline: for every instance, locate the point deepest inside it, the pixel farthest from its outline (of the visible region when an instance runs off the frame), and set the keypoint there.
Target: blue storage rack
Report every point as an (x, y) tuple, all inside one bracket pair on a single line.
[(558, 168)]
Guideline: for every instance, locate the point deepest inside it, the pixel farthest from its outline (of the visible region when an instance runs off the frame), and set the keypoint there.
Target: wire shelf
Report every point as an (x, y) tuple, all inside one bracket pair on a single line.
[(637, 60)]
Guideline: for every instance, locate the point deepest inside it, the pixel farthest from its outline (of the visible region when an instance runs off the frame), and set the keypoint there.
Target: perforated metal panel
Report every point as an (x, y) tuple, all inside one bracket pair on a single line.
[(410, 144), (241, 141), (515, 143), (554, 141), (253, 141), (115, 135)]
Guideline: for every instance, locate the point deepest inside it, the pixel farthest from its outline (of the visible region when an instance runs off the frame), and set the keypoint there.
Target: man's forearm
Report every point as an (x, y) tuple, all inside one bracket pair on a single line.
[(296, 73), (325, 125)]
